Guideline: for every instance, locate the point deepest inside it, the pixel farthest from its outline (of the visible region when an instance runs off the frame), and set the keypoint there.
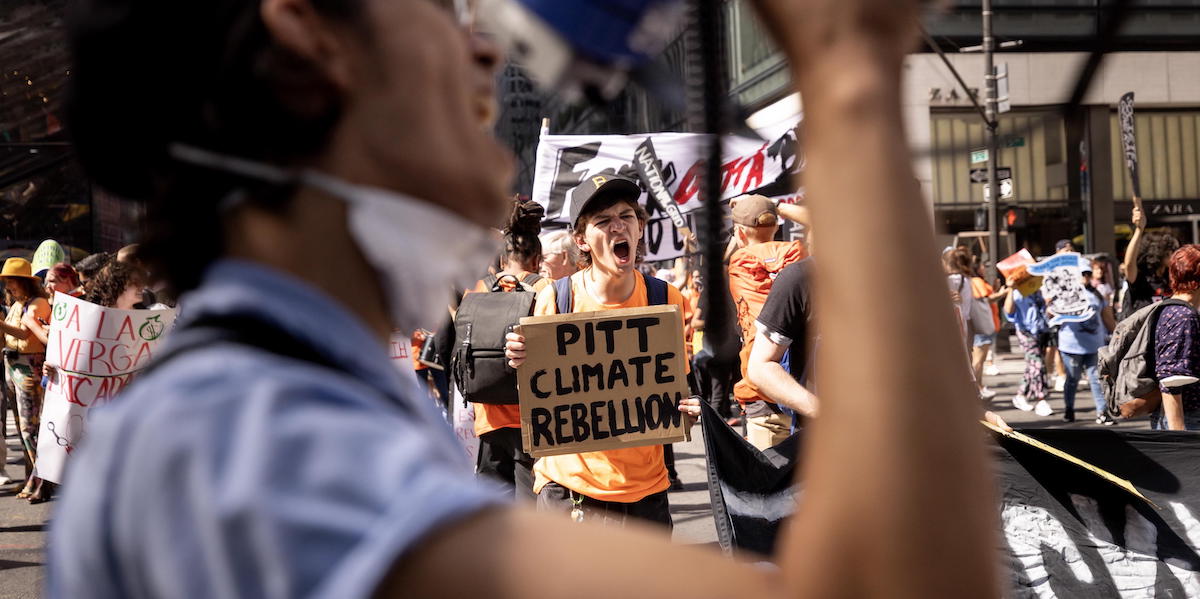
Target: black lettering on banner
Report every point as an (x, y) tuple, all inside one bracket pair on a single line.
[(566, 334), (575, 378), (609, 327), (654, 235), (629, 424), (638, 362), (541, 426), (589, 338), (559, 389), (579, 422), (533, 385), (617, 373), (590, 371), (653, 419), (598, 432), (640, 407), (669, 412), (661, 368), (560, 421), (613, 429), (641, 324)]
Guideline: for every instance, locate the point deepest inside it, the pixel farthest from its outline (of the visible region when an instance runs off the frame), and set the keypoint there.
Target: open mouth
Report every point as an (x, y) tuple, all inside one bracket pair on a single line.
[(621, 250)]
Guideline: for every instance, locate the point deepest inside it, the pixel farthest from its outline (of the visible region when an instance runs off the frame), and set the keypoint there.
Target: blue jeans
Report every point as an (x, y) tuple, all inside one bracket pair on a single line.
[(1075, 365)]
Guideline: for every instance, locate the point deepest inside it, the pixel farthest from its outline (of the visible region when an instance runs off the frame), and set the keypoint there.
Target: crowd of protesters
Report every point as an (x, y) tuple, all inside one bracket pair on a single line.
[(114, 280)]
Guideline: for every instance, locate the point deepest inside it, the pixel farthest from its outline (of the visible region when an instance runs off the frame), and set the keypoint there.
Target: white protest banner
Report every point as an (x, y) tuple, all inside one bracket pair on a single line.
[(1062, 286), (751, 166), (611, 379), (96, 351)]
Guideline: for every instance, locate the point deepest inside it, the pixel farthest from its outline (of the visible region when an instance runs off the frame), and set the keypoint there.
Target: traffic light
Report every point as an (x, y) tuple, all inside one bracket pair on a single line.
[(1015, 217)]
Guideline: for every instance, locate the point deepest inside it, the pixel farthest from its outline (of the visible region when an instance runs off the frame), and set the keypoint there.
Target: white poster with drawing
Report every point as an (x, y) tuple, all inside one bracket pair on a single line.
[(1062, 286)]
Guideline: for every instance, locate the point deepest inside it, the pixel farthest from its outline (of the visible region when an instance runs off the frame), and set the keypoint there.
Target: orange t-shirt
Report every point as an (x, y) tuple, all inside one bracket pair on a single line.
[(752, 272), (690, 300), (980, 289), (490, 417), (620, 475)]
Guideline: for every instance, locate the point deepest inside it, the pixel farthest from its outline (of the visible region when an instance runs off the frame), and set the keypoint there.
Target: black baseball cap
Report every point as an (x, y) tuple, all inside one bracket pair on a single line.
[(601, 187)]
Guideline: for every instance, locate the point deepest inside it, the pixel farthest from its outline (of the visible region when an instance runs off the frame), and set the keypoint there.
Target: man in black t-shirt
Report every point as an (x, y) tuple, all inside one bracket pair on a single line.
[(786, 322)]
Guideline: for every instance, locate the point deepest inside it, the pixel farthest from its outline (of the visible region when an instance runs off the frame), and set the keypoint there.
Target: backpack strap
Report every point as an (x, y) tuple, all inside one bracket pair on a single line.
[(530, 280), (562, 295), (490, 282), (241, 330), (656, 290)]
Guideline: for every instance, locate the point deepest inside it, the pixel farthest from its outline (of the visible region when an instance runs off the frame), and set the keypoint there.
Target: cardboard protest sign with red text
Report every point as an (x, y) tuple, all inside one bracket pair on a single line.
[(96, 352), (602, 380)]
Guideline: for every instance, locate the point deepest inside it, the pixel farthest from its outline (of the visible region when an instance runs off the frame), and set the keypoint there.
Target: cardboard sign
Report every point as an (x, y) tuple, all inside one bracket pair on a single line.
[(97, 351), (602, 380)]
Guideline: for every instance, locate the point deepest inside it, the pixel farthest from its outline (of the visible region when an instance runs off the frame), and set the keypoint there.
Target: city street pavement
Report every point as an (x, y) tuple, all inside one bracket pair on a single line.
[(22, 526), (22, 532)]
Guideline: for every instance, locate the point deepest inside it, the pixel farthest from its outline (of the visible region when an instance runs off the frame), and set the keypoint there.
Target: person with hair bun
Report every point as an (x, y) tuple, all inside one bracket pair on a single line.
[(1177, 346), (498, 426)]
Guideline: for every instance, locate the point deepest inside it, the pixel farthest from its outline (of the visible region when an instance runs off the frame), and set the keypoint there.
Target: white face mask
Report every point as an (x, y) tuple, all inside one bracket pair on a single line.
[(421, 252)]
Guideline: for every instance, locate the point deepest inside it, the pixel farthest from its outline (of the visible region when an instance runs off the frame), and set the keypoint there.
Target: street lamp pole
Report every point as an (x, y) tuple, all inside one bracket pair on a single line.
[(993, 202)]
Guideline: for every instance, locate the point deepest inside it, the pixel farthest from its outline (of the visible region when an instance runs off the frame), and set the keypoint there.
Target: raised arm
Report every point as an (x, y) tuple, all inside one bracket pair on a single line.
[(1131, 252), (906, 433), (870, 442)]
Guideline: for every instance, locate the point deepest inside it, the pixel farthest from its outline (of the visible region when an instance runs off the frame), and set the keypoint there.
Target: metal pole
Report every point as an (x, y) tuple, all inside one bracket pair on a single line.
[(993, 203)]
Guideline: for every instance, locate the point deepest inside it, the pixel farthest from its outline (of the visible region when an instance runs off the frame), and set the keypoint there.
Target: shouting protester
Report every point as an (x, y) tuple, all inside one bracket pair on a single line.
[(614, 485), (752, 271), (295, 461)]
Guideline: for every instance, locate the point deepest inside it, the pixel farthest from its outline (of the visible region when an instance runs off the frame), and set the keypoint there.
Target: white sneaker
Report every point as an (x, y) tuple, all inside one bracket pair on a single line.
[(986, 393), (1042, 408), (1019, 402), (991, 370), (4, 478), (1059, 383)]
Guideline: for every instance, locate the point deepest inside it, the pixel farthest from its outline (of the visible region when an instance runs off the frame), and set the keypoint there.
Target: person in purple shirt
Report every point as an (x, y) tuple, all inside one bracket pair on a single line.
[(1177, 346)]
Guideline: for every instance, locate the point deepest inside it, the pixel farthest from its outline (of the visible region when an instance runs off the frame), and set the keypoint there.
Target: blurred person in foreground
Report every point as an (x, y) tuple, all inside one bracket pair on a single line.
[(355, 129)]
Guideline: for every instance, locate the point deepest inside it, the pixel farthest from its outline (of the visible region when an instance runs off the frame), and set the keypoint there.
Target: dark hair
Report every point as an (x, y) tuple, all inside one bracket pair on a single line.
[(521, 243), (1155, 250), (1184, 268), (112, 281), (600, 205), (30, 288), (64, 272), (149, 73), (88, 267)]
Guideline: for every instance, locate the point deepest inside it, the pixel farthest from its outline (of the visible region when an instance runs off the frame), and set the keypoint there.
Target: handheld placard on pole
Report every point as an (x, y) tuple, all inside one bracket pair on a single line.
[(646, 161), (1129, 142)]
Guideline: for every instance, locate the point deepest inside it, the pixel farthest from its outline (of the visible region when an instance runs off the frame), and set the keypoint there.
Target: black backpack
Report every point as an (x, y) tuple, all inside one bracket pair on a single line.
[(1127, 363), (480, 369)]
